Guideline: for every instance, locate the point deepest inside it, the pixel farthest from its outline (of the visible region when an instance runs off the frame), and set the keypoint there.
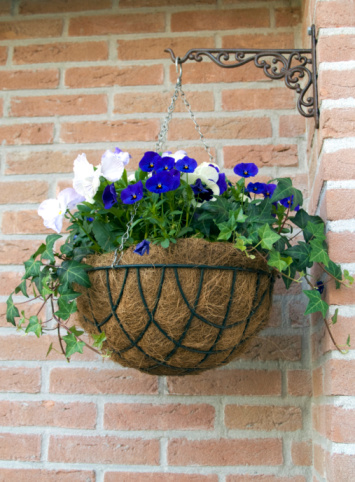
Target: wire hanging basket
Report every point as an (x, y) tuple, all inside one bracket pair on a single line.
[(181, 310)]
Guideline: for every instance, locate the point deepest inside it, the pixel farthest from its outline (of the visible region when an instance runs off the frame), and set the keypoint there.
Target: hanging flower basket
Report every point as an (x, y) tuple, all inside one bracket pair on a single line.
[(179, 311)]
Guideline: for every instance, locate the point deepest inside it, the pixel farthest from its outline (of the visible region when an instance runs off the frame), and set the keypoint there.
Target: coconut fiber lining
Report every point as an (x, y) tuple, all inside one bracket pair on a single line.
[(177, 311)]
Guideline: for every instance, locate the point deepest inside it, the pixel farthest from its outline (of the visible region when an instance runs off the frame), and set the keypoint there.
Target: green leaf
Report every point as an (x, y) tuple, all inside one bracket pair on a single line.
[(39, 251), (33, 268), (335, 270), (348, 277), (99, 340), (34, 326), (49, 349), (48, 253), (315, 303), (276, 261), (65, 309), (291, 273), (301, 254), (335, 316), (104, 236), (316, 230), (165, 243), (74, 272), (183, 231), (319, 252), (285, 189), (75, 331), (72, 345), (22, 287), (268, 236), (348, 341), (225, 231), (260, 213), (301, 220), (11, 311)]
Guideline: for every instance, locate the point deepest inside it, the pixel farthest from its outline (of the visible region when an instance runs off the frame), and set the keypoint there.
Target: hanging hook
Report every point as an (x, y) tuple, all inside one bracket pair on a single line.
[(178, 66)]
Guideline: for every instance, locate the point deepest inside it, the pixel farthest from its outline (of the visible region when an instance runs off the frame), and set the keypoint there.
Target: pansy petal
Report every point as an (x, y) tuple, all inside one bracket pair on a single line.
[(123, 156), (207, 171), (50, 211), (69, 198), (111, 166)]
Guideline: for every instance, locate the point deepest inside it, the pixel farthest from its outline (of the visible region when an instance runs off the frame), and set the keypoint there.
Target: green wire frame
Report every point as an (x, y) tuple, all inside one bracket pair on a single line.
[(134, 342)]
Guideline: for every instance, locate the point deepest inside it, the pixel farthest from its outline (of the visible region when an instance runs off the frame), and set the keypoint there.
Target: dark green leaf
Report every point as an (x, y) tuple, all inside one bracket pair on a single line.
[(48, 252), (285, 189), (34, 326), (315, 303), (276, 261), (65, 309), (268, 236), (72, 345), (291, 273), (335, 270), (74, 272), (11, 311), (33, 268), (316, 230), (104, 236), (22, 287), (319, 252), (301, 254), (49, 349), (335, 316)]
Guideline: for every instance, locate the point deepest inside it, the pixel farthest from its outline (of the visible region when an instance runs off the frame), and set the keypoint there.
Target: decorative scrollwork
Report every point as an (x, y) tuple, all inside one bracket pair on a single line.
[(291, 65)]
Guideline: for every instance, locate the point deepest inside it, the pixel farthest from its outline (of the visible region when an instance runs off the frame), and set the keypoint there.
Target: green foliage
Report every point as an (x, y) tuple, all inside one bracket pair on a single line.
[(11, 311), (315, 303)]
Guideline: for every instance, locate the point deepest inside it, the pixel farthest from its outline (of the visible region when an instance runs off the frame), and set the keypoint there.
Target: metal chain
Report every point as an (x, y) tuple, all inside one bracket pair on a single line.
[(124, 238), (164, 128)]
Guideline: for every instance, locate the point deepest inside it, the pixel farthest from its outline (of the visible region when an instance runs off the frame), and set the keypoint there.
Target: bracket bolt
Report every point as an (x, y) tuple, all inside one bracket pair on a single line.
[(309, 30)]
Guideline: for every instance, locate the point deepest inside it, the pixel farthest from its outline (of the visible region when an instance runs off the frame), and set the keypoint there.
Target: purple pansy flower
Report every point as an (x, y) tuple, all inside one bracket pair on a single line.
[(269, 190), (246, 169), (320, 286), (201, 192), (164, 164), (256, 187), (175, 174), (161, 182), (148, 161), (109, 196), (222, 183), (142, 247), (186, 164), (287, 202), (133, 193)]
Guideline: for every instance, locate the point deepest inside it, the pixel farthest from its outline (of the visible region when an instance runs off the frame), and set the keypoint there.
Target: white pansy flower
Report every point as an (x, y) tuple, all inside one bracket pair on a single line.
[(123, 156), (52, 210), (112, 166), (177, 156)]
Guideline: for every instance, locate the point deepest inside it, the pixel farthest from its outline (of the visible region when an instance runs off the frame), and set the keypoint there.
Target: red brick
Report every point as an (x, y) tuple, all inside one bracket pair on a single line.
[(275, 314), (159, 102), (105, 450), (335, 14), (339, 165), (339, 377), (29, 79), (21, 29), (319, 459), (25, 447), (219, 20), (337, 123), (339, 204), (264, 478), (107, 76), (157, 477), (295, 312), (8, 282), (299, 383), (340, 467), (48, 413), (335, 86), (153, 48), (31, 309), (228, 382), (225, 452), (292, 125), (336, 48), (23, 222), (205, 73), (52, 105), (341, 330), (162, 3), (279, 40), (3, 55), (30, 7), (317, 382), (17, 251), (146, 416), (18, 134), (258, 417), (5, 7), (254, 99), (60, 52), (287, 347), (280, 289), (266, 155), (23, 192), (17, 347), (93, 381), (38, 475), (341, 246), (301, 453), (335, 423), (221, 128), (20, 379), (109, 131), (288, 16)]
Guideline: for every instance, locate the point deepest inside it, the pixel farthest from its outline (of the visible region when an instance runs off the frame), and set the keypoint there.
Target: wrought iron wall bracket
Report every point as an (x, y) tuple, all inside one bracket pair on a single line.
[(298, 68)]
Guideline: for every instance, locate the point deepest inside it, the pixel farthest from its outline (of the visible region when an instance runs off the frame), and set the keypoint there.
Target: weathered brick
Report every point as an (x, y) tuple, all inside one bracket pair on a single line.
[(292, 125), (20, 379), (108, 76), (93, 381), (335, 14), (264, 478), (339, 377), (29, 79), (8, 282), (28, 447), (23, 192), (48, 413), (23, 222), (299, 383), (153, 48), (222, 128), (3, 55), (5, 7), (321, 341), (60, 52), (335, 86), (341, 246), (17, 134), (337, 123), (335, 423), (301, 453), (339, 204), (288, 16), (219, 20), (109, 131), (336, 48), (159, 102), (30, 7), (42, 475), (108, 449), (339, 165), (254, 99), (17, 251), (266, 155), (146, 416), (22, 29), (317, 381), (225, 452), (228, 382), (117, 24), (287, 347), (157, 477), (258, 417), (279, 40), (31, 309), (339, 467), (52, 105)]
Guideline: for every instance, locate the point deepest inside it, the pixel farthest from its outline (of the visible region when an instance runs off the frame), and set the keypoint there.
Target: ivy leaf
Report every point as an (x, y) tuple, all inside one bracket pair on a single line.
[(11, 311), (260, 213), (99, 340), (65, 309), (319, 252), (34, 326), (48, 252), (268, 236), (348, 341), (33, 268), (165, 243), (301, 253), (348, 277), (75, 331), (335, 316), (285, 189), (39, 251), (335, 270), (276, 261), (225, 231), (104, 236), (49, 349), (316, 230), (291, 273), (301, 220), (22, 287), (315, 303), (74, 272), (72, 345)]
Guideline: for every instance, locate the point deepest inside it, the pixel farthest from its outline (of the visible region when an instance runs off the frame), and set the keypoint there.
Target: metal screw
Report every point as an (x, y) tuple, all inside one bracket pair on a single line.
[(309, 30)]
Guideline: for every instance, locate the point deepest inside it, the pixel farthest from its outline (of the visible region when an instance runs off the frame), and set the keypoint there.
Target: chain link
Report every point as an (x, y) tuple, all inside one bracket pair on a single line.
[(124, 238)]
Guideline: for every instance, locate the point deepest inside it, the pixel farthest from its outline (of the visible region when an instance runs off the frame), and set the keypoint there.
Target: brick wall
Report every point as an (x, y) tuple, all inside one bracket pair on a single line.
[(85, 75), (331, 157)]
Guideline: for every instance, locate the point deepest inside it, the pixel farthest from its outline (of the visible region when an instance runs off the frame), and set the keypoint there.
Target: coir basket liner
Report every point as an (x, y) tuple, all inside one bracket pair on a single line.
[(177, 311)]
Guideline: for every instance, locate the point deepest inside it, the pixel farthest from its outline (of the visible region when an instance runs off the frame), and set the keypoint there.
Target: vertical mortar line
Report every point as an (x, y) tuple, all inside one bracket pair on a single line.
[(220, 428), (100, 407), (162, 388), (45, 378), (168, 22), (112, 43), (14, 7), (272, 16), (65, 31), (164, 453), (45, 446)]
